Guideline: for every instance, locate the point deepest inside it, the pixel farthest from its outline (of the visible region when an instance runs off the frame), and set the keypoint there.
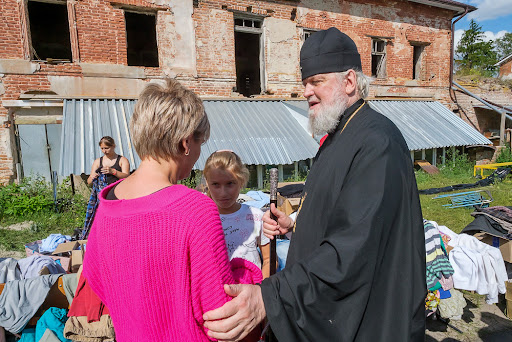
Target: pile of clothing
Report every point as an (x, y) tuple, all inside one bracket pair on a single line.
[(475, 266), (441, 295), (27, 286)]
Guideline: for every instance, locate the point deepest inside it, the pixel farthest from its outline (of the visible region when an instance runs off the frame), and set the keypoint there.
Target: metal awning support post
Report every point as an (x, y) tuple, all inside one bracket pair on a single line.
[(259, 170), (422, 154), (280, 169), (296, 166), (444, 155), (502, 128), (434, 156), (453, 155), (412, 156)]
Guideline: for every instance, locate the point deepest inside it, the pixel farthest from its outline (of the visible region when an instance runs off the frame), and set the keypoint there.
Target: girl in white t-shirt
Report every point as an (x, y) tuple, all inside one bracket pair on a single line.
[(225, 176)]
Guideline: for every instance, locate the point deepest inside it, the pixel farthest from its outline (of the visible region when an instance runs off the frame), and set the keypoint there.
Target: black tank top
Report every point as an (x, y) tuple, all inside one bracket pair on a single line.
[(111, 178)]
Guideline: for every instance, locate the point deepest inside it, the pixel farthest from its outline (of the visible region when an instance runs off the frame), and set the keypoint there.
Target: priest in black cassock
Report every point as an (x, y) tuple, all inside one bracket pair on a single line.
[(356, 265)]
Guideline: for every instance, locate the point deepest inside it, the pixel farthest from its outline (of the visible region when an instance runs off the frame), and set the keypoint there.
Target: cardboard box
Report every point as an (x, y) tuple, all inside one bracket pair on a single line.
[(63, 254), (504, 245), (32, 248), (287, 205), (508, 297), (75, 250)]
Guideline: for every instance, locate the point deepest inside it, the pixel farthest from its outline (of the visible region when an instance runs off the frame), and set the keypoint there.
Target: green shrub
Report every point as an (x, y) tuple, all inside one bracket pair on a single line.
[(504, 156)]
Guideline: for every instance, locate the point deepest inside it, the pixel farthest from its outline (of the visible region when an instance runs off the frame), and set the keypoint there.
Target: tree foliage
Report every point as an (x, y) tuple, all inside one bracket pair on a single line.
[(476, 54), (503, 46)]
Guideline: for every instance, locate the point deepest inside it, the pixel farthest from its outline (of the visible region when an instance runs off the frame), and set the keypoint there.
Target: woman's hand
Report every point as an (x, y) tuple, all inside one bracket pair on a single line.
[(271, 227), (108, 170)]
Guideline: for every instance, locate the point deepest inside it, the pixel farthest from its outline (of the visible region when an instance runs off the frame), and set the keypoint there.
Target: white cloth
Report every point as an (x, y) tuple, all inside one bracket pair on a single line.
[(478, 267), (243, 232)]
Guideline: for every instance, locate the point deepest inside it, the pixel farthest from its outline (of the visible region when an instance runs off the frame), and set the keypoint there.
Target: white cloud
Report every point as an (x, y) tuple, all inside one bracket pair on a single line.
[(489, 9), (493, 36)]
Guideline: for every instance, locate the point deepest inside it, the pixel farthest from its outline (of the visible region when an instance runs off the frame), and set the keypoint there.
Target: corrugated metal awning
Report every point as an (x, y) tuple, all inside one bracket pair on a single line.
[(424, 124), (84, 123), (427, 125), (261, 132)]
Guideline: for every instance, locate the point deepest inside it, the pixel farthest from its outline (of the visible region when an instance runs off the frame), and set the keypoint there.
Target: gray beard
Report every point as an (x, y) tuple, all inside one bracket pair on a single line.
[(328, 117)]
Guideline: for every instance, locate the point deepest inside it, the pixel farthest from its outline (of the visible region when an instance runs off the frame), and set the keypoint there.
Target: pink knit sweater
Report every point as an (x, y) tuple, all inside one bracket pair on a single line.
[(158, 263)]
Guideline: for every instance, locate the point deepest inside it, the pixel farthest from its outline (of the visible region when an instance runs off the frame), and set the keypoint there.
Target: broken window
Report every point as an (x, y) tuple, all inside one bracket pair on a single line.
[(417, 61), (378, 58), (141, 43), (49, 30), (248, 56), (306, 33)]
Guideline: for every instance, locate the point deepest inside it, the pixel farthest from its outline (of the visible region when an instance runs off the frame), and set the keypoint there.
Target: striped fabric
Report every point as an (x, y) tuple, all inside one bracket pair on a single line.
[(438, 264)]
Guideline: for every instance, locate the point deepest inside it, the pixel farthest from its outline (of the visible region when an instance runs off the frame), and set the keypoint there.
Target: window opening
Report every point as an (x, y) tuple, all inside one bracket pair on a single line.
[(378, 58), (248, 58), (49, 30), (141, 42), (306, 33), (417, 61)]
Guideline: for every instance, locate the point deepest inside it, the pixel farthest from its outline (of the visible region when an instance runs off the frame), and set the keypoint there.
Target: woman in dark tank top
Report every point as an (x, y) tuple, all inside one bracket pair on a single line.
[(112, 165)]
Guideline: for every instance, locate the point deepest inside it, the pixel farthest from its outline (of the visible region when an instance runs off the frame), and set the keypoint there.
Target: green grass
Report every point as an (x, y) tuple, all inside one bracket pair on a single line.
[(458, 218), (17, 205), (72, 216)]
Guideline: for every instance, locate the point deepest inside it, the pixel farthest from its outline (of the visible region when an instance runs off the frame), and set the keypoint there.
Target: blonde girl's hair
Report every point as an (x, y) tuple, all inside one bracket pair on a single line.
[(228, 161), (165, 115)]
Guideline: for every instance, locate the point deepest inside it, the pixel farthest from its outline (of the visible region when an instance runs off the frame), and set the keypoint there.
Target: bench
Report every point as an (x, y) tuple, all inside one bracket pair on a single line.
[(483, 167)]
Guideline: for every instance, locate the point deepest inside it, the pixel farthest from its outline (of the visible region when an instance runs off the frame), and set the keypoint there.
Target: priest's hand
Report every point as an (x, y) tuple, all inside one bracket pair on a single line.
[(238, 317), (282, 226)]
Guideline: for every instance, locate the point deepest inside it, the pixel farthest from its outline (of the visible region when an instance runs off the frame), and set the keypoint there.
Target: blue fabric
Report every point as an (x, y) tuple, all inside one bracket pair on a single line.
[(282, 247), (49, 244), (55, 320), (260, 199), (28, 335), (444, 294), (97, 185)]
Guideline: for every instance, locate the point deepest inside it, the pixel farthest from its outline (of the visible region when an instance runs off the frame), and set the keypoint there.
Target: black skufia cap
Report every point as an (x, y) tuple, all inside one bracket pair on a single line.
[(328, 51)]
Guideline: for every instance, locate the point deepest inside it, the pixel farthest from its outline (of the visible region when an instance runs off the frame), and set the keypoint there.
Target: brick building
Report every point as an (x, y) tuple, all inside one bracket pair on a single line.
[(505, 65), (52, 51)]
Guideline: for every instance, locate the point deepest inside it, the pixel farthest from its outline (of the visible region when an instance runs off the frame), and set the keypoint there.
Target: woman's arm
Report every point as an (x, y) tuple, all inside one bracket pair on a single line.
[(125, 168), (265, 266), (93, 174)]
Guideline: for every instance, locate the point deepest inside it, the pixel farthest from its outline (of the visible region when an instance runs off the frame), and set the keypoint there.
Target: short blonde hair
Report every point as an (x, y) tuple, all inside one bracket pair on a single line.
[(228, 161), (163, 117)]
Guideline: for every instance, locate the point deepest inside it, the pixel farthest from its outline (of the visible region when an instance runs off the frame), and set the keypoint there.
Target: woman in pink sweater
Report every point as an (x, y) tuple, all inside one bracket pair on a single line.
[(156, 254)]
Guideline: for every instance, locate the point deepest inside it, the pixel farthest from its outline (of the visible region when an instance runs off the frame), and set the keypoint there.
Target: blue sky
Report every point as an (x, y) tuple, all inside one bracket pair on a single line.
[(495, 17)]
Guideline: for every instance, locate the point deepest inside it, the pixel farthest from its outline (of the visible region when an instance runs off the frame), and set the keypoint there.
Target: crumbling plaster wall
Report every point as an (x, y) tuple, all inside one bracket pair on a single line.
[(481, 119), (282, 53), (196, 45), (402, 26)]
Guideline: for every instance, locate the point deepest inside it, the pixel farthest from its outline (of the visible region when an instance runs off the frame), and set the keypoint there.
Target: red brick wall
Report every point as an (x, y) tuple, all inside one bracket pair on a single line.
[(11, 43), (506, 69), (101, 37)]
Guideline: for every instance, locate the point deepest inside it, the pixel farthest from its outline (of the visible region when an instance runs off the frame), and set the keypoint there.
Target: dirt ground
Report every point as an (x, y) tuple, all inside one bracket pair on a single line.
[(480, 322)]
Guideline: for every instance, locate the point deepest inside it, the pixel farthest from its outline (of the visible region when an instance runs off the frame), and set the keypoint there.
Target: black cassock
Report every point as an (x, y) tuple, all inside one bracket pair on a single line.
[(356, 264)]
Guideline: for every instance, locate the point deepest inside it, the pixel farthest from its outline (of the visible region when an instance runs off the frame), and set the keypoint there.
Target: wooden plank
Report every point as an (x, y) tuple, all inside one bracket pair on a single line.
[(427, 167)]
